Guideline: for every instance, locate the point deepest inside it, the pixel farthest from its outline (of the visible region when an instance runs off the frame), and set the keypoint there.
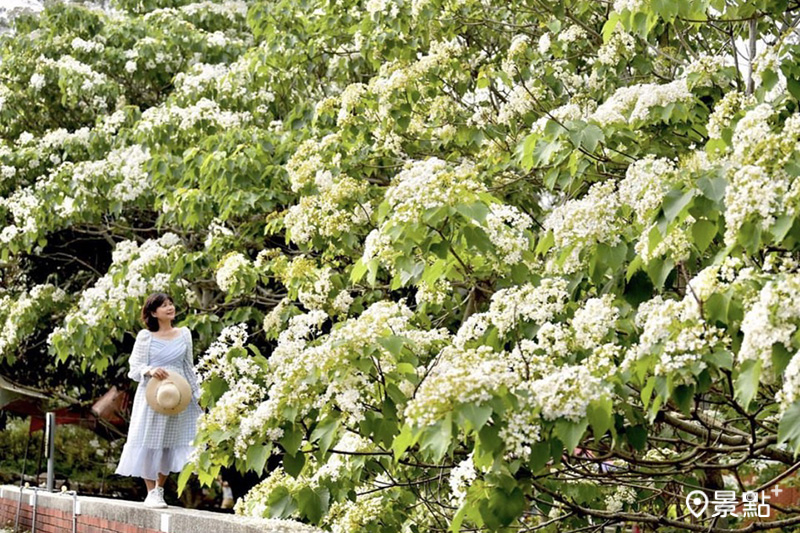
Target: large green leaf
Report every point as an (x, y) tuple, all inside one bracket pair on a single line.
[(789, 427), (570, 433), (746, 385)]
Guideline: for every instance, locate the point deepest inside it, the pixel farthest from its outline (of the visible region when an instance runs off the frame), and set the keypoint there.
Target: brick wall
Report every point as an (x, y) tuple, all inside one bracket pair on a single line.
[(52, 520), (104, 515)]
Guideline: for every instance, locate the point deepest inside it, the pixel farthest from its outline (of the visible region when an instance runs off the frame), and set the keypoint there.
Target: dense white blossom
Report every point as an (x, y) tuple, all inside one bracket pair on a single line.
[(506, 226), (645, 184), (429, 184), (528, 302), (229, 269), (632, 105), (461, 477), (771, 319), (586, 221)]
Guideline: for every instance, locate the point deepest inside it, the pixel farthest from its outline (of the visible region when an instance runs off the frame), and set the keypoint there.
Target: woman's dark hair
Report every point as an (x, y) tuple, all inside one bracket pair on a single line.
[(152, 303)]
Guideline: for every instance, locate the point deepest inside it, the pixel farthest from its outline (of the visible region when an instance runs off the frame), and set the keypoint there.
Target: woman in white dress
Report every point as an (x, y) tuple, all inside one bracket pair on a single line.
[(159, 444)]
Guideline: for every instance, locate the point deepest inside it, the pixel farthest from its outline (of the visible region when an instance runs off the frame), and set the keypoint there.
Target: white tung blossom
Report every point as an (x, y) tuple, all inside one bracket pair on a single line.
[(506, 226), (461, 477), (229, 270), (631, 105), (429, 184), (771, 319), (586, 221), (528, 302), (645, 184)]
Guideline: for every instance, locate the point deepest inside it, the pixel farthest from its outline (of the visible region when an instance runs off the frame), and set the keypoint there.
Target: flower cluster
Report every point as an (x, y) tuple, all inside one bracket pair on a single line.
[(771, 319), (675, 331), (214, 362), (231, 270), (353, 516), (620, 46), (506, 226), (461, 477), (158, 121), (586, 221), (645, 184), (337, 209), (21, 316), (429, 184), (531, 303), (621, 497), (255, 502), (633, 105), (307, 162), (458, 377)]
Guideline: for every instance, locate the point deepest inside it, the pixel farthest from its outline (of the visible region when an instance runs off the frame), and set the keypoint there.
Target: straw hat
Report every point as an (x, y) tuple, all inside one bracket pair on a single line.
[(168, 396)]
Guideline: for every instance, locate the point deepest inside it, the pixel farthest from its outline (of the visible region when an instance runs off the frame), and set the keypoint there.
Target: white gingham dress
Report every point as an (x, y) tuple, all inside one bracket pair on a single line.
[(159, 443)]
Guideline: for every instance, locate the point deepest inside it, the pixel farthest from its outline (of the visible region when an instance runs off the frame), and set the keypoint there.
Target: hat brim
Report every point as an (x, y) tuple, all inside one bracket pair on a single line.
[(151, 393)]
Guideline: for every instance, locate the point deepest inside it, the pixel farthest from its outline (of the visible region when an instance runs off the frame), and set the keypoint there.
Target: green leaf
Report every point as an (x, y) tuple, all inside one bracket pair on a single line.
[(313, 503), (435, 439), (324, 434), (476, 211), (545, 244), (599, 413), (713, 188), (716, 307), (372, 268), (789, 427), (658, 270), (587, 137), (780, 359), (703, 232), (610, 26), (281, 504), (183, 478), (682, 396), (292, 436), (781, 227), (637, 436), (746, 385), (750, 236), (458, 518), (359, 269), (393, 344), (502, 507), (476, 415), (721, 359), (477, 238), (633, 267), (675, 202), (612, 257), (293, 464), (570, 433), (257, 457), (403, 441), (540, 454), (793, 84)]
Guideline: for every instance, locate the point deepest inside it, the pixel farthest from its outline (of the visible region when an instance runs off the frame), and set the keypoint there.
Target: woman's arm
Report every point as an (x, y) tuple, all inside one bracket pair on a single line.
[(138, 359), (189, 362)]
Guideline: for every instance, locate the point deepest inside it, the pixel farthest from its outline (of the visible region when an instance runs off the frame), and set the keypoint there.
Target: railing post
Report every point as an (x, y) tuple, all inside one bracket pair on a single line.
[(50, 450)]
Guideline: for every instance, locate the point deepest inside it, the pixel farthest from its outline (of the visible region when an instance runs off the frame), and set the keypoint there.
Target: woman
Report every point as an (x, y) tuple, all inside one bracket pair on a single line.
[(159, 444)]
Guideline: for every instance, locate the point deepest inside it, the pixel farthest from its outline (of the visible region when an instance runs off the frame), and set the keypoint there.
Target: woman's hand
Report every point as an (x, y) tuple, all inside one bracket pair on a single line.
[(159, 373)]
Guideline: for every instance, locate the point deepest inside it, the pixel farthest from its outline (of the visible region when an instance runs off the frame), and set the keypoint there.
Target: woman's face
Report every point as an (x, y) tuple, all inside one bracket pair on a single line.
[(166, 311)]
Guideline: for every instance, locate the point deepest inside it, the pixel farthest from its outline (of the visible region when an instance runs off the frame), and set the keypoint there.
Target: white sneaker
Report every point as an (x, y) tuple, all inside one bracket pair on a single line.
[(155, 499)]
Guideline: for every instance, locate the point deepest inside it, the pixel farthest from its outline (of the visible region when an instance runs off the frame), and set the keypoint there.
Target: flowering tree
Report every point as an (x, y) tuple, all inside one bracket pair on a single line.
[(464, 265)]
